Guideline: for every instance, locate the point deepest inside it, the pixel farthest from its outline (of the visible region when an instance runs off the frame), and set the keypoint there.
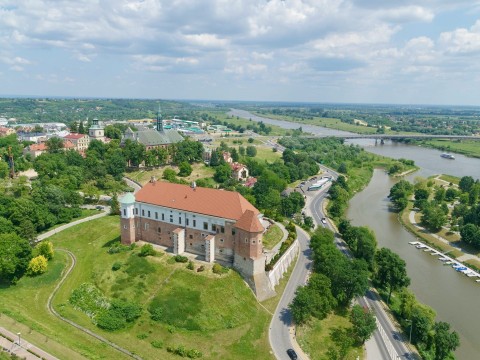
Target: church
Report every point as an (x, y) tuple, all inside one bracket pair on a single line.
[(216, 225)]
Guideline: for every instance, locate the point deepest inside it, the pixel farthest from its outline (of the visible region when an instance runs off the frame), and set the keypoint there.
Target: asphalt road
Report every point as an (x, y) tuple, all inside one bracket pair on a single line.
[(280, 326)]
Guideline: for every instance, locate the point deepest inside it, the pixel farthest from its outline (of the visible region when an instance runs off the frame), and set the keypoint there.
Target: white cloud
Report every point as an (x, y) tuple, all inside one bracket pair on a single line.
[(206, 40), (462, 41)]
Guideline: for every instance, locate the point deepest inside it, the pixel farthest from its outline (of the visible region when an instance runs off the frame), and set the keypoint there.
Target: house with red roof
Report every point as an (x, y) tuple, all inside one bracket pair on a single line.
[(80, 141), (216, 225)]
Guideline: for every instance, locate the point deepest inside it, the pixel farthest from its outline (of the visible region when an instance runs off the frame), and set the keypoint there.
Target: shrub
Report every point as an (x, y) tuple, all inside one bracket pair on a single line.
[(184, 352), (142, 336), (201, 268), (116, 265), (117, 248), (190, 265), (156, 313), (44, 248), (147, 250), (109, 320), (118, 315), (36, 266), (219, 269), (181, 259), (89, 299), (157, 344)]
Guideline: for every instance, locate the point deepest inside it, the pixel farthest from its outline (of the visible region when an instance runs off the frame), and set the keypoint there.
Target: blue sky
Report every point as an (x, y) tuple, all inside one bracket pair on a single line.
[(365, 51)]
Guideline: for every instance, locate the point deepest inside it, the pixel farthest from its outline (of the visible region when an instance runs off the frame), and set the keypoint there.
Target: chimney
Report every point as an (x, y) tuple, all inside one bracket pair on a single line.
[(193, 185)]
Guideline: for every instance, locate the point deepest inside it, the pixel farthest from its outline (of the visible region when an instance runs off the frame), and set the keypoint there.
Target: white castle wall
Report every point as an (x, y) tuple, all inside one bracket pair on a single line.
[(283, 263)]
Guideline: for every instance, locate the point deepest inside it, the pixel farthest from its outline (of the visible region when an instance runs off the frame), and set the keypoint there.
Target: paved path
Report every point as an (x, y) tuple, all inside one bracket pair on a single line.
[(15, 344), (464, 257)]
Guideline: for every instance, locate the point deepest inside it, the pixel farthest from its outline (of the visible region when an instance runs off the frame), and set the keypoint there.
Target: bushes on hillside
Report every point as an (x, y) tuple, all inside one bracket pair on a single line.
[(181, 258), (219, 269), (38, 265), (147, 250), (118, 315), (292, 235), (44, 248)]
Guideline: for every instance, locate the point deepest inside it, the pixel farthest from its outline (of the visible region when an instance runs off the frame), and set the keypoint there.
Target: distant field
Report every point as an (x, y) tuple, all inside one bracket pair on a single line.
[(201, 315), (465, 147)]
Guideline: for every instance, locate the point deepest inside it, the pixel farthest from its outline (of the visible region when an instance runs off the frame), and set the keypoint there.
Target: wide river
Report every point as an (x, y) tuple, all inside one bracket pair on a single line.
[(454, 296)]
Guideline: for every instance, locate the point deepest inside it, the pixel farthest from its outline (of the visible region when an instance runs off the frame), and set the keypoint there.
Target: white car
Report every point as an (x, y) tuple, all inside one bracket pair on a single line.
[(324, 221)]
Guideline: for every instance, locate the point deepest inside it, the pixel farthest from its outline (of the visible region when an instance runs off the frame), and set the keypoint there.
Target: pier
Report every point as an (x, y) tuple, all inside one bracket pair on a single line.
[(458, 266)]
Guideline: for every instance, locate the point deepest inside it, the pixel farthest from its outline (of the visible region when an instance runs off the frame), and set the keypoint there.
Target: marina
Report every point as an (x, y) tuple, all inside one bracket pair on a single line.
[(457, 266)]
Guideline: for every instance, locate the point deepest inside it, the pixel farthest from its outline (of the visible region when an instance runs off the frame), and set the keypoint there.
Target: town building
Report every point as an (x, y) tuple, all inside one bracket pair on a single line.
[(36, 150), (31, 136), (80, 141), (153, 138), (5, 131), (217, 225), (97, 131)]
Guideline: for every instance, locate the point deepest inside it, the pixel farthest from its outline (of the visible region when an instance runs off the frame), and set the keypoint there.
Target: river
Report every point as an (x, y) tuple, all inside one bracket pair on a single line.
[(454, 296)]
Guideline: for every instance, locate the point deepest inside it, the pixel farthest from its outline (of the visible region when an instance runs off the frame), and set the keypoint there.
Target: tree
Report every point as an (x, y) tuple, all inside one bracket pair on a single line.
[(391, 271), (421, 193), (38, 265), (44, 248), (114, 205), (54, 144), (223, 172), (185, 169), (81, 128), (343, 340), (251, 151), (234, 154), (444, 340), (423, 319), (433, 217), (15, 253), (466, 183), (169, 175), (363, 323)]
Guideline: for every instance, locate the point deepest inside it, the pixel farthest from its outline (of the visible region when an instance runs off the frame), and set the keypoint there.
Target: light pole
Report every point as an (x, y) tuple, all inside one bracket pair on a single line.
[(411, 326), (19, 339)]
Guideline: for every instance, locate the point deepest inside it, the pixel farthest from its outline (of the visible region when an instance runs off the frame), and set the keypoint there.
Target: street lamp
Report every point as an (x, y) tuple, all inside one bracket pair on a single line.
[(19, 339)]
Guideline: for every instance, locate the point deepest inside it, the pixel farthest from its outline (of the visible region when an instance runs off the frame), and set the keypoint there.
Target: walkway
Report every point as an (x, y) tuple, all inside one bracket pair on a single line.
[(464, 257), (14, 344)]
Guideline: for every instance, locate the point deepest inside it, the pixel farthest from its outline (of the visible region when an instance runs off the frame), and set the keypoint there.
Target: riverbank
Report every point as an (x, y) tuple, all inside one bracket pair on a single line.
[(468, 148)]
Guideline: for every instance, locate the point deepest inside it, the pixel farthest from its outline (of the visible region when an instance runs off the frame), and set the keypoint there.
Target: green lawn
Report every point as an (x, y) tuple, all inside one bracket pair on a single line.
[(272, 237), (217, 315), (314, 337), (466, 147), (199, 170)]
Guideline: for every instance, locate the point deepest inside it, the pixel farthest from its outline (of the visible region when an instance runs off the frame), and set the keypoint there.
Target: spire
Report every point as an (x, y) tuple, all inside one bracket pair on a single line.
[(159, 120)]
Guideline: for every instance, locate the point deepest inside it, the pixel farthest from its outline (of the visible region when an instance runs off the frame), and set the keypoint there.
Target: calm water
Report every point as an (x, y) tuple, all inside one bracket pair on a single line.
[(454, 296)]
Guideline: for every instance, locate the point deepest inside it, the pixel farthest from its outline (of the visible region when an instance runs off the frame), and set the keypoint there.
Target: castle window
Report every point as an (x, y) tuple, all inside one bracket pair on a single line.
[(191, 244), (146, 226), (159, 229), (221, 240), (222, 229), (180, 220), (125, 227), (246, 241), (156, 215), (143, 212), (205, 226), (191, 237), (233, 231), (171, 218), (194, 222), (136, 211), (214, 227), (188, 222), (163, 216), (124, 212), (253, 241), (148, 213)]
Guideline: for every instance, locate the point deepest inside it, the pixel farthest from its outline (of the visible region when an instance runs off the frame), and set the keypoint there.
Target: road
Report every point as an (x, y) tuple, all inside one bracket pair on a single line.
[(281, 324), (392, 344)]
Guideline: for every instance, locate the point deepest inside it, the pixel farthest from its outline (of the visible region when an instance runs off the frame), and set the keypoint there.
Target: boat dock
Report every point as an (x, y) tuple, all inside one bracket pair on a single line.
[(458, 266)]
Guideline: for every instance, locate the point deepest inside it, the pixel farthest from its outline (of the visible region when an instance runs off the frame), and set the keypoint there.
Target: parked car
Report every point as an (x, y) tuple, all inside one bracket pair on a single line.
[(99, 207), (292, 354)]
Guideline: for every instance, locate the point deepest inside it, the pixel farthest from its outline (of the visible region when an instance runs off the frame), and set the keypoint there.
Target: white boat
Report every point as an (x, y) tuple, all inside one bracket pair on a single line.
[(413, 242), (443, 259), (420, 246)]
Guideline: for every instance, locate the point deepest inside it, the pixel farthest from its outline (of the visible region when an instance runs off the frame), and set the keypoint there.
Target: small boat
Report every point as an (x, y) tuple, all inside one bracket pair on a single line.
[(447, 156), (413, 242), (448, 263), (427, 250), (461, 269), (472, 274), (420, 246), (477, 280), (443, 259)]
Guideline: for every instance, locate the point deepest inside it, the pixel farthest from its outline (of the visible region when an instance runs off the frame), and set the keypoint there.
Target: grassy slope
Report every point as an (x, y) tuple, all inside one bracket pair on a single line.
[(272, 237), (236, 325), (466, 147)]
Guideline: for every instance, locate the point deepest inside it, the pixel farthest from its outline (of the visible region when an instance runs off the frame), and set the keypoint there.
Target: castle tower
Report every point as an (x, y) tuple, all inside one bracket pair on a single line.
[(159, 120), (127, 221), (96, 131)]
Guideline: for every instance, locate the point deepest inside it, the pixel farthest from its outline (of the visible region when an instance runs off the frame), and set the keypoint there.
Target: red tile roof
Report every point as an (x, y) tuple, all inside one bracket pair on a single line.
[(250, 182), (38, 147), (213, 202), (249, 222), (67, 144), (74, 136)]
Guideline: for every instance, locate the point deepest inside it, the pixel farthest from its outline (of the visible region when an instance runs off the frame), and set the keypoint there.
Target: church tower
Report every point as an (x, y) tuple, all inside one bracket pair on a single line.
[(96, 131), (127, 221), (159, 120)]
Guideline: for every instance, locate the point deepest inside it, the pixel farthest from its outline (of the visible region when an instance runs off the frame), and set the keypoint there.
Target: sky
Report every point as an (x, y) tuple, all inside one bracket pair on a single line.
[(344, 51)]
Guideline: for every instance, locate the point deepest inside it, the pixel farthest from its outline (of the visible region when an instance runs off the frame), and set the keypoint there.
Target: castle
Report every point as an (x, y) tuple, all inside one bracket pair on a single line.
[(217, 225)]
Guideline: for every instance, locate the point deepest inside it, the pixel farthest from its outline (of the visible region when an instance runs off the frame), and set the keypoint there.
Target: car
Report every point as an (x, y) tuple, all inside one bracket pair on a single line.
[(292, 354), (99, 207), (324, 221)]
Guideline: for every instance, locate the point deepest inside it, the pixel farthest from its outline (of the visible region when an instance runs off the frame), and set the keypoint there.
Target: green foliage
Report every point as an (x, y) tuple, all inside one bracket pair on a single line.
[(15, 254), (158, 344), (223, 172), (219, 269), (363, 322), (147, 250), (390, 271), (182, 351), (89, 299), (142, 336), (116, 265), (251, 151), (181, 258), (118, 315), (44, 248), (185, 169), (190, 265), (118, 247), (399, 194), (169, 175), (445, 341), (433, 217), (38, 265)]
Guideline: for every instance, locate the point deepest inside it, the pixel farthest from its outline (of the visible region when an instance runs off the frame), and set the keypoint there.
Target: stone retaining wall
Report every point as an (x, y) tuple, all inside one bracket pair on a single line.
[(283, 263)]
